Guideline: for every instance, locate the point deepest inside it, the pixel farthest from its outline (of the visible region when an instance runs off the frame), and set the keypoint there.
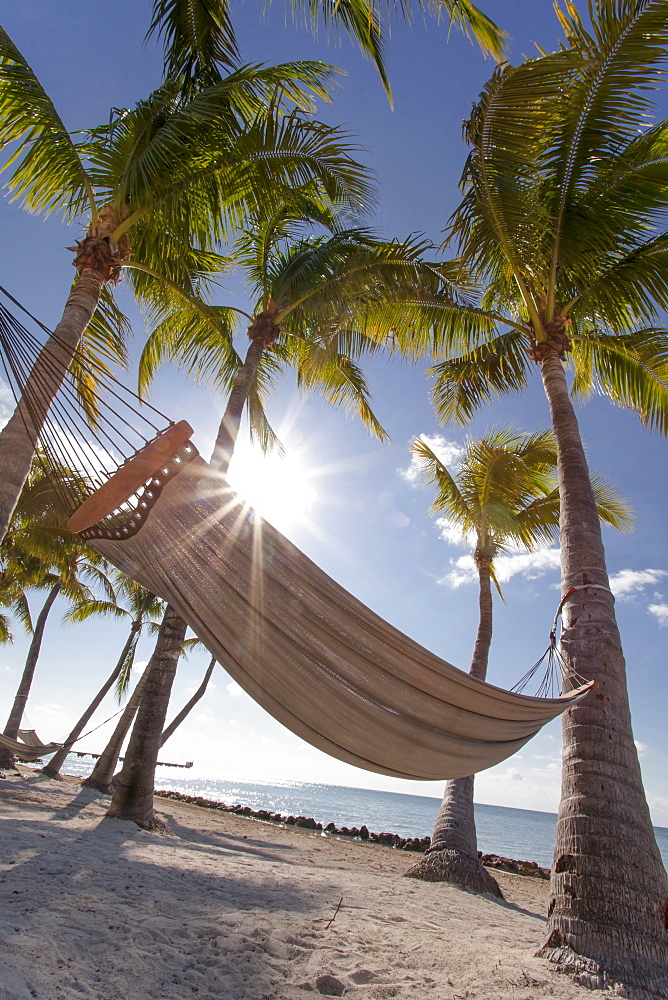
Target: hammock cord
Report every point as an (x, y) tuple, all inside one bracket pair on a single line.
[(84, 438), (551, 683)]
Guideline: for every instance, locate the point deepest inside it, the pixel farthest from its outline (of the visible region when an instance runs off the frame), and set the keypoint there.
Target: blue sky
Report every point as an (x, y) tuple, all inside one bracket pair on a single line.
[(365, 522)]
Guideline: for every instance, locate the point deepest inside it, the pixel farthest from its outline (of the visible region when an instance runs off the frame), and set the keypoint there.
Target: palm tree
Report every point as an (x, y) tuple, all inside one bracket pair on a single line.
[(102, 777), (311, 296), (102, 774), (133, 792), (503, 493), (565, 198), (142, 608), (175, 174), (39, 553)]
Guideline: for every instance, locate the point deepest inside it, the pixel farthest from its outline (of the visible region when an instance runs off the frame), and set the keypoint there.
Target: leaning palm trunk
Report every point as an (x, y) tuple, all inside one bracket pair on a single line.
[(133, 794), (18, 438), (102, 774), (18, 708), (453, 854), (608, 912), (262, 332), (188, 707), (52, 769)]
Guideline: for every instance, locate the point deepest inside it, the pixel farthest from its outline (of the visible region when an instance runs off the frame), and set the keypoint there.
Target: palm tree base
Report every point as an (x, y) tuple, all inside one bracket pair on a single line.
[(104, 787), (589, 973), (148, 821), (7, 762), (457, 868), (46, 772)]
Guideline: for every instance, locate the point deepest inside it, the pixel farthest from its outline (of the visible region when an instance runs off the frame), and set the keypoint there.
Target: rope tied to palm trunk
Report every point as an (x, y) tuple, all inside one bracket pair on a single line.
[(552, 680)]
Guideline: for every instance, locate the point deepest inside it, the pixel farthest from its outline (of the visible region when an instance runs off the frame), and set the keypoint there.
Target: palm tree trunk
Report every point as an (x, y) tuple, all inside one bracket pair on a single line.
[(133, 795), (229, 425), (453, 854), (188, 707), (18, 708), (103, 771), (609, 892), (52, 769), (19, 437)]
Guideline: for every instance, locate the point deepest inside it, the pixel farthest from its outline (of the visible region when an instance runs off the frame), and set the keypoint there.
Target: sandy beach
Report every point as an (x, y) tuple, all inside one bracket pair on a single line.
[(230, 908)]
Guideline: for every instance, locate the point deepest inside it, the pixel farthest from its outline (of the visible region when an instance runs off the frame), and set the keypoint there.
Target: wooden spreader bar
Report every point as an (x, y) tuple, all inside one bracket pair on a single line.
[(130, 477)]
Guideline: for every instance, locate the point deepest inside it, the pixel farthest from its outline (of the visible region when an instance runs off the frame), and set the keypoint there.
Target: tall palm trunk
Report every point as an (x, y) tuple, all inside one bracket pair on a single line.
[(133, 795), (52, 769), (453, 855), (188, 707), (18, 708), (18, 438), (609, 892), (105, 766)]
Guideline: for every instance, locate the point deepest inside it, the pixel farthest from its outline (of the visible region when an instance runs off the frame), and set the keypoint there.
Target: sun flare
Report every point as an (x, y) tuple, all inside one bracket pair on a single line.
[(278, 488)]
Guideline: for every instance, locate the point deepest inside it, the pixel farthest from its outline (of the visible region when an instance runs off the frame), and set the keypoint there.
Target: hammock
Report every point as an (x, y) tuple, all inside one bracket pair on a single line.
[(313, 656), (28, 748)]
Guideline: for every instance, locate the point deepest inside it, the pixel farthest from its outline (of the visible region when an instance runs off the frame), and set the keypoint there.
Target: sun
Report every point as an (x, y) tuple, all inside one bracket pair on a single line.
[(278, 488)]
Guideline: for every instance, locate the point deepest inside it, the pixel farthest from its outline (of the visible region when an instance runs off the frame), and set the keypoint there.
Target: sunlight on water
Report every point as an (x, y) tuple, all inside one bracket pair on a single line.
[(512, 833)]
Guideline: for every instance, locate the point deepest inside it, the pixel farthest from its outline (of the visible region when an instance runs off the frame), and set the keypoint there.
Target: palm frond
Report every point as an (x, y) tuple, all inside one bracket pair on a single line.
[(340, 381), (367, 23), (607, 98), (125, 676), (501, 223), (21, 610), (5, 630), (81, 612), (463, 384), (612, 508), (449, 500), (626, 287), (47, 166), (198, 38), (632, 370), (188, 331)]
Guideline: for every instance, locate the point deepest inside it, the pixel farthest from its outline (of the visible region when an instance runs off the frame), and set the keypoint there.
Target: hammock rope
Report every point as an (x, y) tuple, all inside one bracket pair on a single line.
[(24, 748), (552, 682), (94, 444), (311, 654)]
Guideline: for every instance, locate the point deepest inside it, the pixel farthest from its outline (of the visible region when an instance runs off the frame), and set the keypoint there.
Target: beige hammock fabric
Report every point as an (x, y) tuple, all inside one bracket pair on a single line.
[(312, 655), (29, 748)]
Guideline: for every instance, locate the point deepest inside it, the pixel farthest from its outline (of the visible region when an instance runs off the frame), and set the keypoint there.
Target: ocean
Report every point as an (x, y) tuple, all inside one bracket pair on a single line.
[(521, 834)]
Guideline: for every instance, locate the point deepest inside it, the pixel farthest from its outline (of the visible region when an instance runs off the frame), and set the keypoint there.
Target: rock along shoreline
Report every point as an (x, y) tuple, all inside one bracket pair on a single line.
[(415, 844)]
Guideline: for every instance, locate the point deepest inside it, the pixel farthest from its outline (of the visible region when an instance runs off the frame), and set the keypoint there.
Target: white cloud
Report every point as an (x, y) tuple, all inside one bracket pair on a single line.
[(631, 581), (139, 666), (528, 564), (451, 534), (464, 572), (449, 452), (234, 689), (514, 774), (660, 612), (641, 747)]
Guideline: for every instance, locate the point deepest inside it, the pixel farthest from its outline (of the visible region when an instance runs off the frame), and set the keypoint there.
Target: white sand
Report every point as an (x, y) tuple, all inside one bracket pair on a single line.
[(228, 908)]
